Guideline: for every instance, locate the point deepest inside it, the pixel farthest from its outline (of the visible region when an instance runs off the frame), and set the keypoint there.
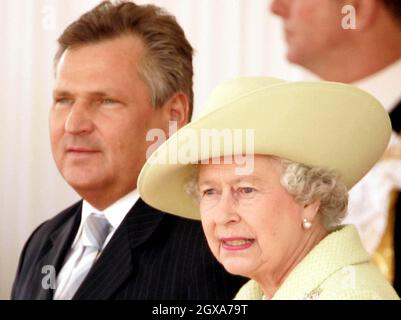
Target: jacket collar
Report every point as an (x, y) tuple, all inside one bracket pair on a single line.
[(339, 249)]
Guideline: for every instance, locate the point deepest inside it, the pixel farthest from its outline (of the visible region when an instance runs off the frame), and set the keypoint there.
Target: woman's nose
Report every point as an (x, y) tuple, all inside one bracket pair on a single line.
[(227, 209)]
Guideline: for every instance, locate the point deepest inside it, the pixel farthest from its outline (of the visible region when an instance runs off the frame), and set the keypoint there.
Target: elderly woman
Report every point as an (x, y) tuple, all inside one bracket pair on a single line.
[(271, 204)]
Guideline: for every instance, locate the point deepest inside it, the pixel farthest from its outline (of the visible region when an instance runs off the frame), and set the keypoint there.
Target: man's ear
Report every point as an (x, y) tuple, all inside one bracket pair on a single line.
[(177, 109), (366, 12)]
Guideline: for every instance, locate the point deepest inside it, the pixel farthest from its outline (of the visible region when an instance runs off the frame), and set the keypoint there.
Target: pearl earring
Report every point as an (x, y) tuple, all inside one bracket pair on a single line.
[(306, 224)]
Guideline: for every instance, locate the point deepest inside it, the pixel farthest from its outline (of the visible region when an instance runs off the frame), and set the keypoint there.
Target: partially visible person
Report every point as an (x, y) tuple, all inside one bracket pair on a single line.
[(279, 221), (368, 56), (319, 41), (121, 70)]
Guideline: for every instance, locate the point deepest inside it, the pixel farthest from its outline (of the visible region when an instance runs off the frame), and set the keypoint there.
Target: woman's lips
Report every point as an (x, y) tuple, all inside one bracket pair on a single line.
[(237, 243)]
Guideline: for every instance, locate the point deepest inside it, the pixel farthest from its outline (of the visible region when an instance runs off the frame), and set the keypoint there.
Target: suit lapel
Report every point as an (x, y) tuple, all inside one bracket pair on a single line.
[(395, 117), (56, 250), (115, 265)]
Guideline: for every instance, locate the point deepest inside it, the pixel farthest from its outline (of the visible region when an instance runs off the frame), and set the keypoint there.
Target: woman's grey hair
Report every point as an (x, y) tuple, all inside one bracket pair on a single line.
[(306, 184)]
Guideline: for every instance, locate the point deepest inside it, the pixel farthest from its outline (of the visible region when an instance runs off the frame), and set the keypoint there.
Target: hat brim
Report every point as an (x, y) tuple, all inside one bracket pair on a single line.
[(322, 124)]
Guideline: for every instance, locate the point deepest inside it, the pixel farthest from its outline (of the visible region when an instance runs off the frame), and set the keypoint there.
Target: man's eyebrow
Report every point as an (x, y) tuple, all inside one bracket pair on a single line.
[(62, 92), (97, 93), (57, 92)]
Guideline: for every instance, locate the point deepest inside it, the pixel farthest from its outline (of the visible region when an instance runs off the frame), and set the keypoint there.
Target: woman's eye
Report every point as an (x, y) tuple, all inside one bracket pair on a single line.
[(208, 192), (246, 190)]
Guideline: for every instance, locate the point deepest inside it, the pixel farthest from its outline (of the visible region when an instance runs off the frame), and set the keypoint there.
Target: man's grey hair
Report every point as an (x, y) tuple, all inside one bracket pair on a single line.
[(166, 64)]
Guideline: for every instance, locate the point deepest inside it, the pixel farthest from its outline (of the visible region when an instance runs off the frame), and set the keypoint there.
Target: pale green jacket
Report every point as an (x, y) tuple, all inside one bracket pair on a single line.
[(337, 268)]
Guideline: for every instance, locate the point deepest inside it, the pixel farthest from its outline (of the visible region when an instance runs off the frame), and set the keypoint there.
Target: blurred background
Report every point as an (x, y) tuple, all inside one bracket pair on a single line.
[(230, 38)]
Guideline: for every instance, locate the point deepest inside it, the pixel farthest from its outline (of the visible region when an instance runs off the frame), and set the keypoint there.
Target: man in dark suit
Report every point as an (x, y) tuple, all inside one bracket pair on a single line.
[(122, 70), (358, 42)]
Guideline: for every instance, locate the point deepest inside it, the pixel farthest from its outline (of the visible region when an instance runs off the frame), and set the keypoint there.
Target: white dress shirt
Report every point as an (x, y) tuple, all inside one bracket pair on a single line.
[(385, 85), (114, 214), (369, 199)]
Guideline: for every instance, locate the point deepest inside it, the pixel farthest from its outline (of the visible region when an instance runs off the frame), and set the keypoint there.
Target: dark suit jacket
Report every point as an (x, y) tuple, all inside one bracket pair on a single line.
[(395, 117), (152, 255)]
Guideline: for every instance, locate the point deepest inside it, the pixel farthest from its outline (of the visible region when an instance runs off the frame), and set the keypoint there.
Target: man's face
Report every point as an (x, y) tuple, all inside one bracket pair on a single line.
[(312, 28), (100, 116)]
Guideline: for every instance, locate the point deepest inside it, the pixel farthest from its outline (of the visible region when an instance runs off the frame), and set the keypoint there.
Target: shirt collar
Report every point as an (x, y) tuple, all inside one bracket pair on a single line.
[(384, 85), (114, 214)]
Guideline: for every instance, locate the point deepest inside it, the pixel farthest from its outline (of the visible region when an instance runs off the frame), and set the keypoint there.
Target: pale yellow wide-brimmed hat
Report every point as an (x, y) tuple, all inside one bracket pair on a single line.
[(324, 124)]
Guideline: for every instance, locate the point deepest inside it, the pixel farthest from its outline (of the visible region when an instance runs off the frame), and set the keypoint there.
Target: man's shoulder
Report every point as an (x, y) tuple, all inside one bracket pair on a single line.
[(61, 217), (183, 225), (180, 220), (40, 237), (175, 229), (168, 218), (57, 221)]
